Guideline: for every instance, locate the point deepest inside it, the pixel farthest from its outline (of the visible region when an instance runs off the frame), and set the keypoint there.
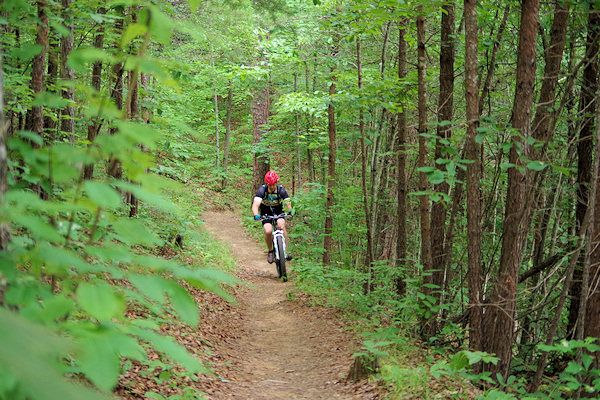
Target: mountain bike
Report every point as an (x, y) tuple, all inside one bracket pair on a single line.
[(278, 244)]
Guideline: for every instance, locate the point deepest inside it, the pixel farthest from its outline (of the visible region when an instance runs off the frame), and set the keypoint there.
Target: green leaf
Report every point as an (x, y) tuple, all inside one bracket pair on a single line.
[(50, 100), (161, 26), (459, 361), (139, 133), (99, 362), (536, 165), (171, 349), (184, 304), (100, 300), (32, 352), (37, 227), (194, 4), (149, 285), (25, 52), (82, 56), (133, 31), (102, 195), (133, 231)]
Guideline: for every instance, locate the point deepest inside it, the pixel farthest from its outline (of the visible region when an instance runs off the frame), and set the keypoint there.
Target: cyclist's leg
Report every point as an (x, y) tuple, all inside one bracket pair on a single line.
[(268, 227)]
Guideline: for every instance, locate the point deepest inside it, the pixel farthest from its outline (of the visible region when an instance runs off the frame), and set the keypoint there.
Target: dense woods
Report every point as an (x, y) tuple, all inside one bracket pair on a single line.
[(443, 160)]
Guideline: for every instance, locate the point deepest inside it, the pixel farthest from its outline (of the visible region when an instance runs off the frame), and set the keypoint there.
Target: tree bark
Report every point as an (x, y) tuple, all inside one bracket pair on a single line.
[(35, 117), (429, 327), (4, 231), (227, 130), (260, 118), (444, 131), (328, 239), (498, 326), (473, 176), (94, 126), (67, 121), (51, 78), (485, 90), (401, 247), (589, 87), (363, 159), (114, 165)]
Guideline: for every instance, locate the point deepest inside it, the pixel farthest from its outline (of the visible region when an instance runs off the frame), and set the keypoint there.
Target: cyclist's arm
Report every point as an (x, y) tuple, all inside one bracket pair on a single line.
[(288, 204), (255, 205)]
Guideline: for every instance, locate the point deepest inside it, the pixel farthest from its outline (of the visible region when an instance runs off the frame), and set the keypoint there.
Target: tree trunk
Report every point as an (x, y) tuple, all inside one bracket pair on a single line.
[(227, 130), (328, 239), (473, 176), (94, 126), (35, 117), (67, 121), (498, 326), (114, 165), (260, 118), (589, 87), (4, 232), (363, 159), (217, 134), (444, 131), (51, 78), (492, 64), (429, 328), (400, 285)]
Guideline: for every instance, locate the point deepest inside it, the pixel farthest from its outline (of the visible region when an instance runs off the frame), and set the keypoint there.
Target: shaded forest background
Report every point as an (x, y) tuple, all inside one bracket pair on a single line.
[(443, 159)]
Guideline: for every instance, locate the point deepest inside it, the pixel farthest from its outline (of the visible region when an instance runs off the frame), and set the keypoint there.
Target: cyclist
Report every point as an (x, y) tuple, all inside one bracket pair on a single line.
[(269, 200)]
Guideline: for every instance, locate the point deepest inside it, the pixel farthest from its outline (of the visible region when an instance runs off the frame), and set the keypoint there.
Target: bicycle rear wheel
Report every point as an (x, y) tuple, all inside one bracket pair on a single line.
[(281, 272)]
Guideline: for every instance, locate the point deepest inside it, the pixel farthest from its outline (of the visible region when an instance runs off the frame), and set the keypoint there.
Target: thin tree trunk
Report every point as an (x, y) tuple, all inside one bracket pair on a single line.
[(114, 165), (444, 131), (473, 176), (260, 118), (492, 65), (67, 121), (94, 126), (51, 78), (297, 134), (589, 87), (498, 326), (401, 247), (429, 328), (217, 142), (227, 130), (586, 238), (4, 231), (328, 240), (35, 117), (363, 158)]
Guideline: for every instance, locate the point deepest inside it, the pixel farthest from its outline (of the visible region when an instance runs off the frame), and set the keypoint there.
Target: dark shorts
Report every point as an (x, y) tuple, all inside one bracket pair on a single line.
[(268, 221)]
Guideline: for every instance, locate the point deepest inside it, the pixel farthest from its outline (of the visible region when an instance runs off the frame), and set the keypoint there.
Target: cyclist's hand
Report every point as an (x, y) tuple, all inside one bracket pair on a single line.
[(256, 217)]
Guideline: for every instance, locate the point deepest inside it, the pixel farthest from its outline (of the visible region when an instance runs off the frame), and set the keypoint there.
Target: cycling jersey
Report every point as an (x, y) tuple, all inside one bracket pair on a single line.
[(272, 203)]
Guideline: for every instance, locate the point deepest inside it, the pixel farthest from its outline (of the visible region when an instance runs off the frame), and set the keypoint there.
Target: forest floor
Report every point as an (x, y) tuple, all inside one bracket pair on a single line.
[(273, 345)]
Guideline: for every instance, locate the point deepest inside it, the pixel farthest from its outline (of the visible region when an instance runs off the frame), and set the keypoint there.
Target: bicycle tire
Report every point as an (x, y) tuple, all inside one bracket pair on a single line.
[(281, 272)]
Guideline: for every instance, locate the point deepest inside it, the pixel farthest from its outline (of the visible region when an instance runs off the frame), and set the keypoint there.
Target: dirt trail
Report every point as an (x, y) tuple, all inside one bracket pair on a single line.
[(276, 348)]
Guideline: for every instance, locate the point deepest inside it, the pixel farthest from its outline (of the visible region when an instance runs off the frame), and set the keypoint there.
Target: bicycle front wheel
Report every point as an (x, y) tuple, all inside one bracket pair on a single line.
[(281, 272)]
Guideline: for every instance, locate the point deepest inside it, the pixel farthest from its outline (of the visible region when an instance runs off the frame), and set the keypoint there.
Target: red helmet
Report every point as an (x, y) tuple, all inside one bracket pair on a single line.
[(271, 178)]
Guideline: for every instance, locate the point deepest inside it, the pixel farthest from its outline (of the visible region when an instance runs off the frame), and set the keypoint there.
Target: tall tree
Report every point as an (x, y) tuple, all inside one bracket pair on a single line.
[(499, 316), (35, 116), (94, 126), (401, 247), (67, 124), (473, 176), (4, 232), (328, 239), (589, 87), (424, 213), (363, 158), (114, 165), (444, 131)]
